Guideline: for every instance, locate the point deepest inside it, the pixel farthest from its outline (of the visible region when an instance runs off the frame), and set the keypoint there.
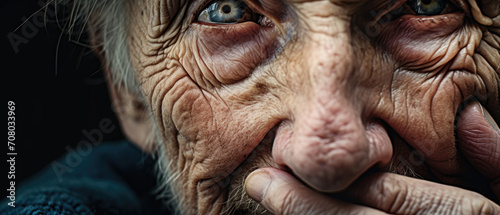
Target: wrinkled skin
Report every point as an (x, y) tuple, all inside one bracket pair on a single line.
[(342, 99)]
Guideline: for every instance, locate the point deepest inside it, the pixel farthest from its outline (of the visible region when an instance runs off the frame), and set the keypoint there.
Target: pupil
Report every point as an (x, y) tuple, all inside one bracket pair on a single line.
[(426, 1), (226, 9)]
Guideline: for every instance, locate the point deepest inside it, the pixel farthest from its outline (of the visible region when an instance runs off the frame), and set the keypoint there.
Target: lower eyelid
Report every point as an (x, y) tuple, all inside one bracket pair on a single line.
[(246, 44), (233, 28), (430, 25), (411, 39)]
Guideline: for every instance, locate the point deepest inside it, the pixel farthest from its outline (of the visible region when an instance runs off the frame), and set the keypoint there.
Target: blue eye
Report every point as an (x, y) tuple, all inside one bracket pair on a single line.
[(427, 7), (227, 12)]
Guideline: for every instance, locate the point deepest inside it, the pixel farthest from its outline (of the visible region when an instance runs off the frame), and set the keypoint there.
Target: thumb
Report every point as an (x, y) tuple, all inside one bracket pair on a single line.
[(281, 193), (479, 139)]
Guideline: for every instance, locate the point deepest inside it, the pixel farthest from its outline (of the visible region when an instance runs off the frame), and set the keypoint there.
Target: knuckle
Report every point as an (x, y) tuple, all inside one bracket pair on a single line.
[(487, 208), (480, 205), (295, 201), (393, 195), (288, 203), (399, 197)]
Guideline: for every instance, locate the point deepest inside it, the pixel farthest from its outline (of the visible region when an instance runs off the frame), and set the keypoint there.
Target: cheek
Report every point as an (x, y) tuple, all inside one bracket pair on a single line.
[(208, 131), (196, 125), (436, 70)]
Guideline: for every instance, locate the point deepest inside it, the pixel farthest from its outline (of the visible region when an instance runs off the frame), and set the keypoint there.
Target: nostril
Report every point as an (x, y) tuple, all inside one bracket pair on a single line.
[(380, 142), (270, 136), (282, 140)]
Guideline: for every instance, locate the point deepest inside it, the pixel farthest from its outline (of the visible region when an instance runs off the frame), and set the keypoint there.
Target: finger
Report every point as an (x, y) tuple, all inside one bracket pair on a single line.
[(281, 193), (399, 194), (479, 139)]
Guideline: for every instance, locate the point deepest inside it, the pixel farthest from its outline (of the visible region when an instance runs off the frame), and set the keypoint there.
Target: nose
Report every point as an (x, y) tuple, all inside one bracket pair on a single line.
[(328, 147), (327, 143)]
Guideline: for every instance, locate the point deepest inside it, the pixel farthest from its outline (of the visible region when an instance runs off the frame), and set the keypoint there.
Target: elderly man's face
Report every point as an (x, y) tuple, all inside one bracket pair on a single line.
[(338, 86)]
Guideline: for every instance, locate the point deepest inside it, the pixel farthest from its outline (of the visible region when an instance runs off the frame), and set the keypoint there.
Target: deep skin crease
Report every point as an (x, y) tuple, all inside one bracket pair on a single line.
[(342, 97)]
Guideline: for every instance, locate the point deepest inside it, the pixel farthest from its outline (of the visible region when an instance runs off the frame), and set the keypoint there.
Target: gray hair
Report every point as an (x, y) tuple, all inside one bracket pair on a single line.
[(108, 21)]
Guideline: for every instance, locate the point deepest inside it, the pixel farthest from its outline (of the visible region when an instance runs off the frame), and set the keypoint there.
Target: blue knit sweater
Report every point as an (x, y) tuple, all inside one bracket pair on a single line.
[(113, 178)]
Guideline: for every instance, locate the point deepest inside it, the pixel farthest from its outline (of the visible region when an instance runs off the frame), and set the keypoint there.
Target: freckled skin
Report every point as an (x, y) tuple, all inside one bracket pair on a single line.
[(335, 91)]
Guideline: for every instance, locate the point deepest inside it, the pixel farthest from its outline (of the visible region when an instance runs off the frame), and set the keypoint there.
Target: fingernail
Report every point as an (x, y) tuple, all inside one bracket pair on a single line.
[(256, 184), (489, 118)]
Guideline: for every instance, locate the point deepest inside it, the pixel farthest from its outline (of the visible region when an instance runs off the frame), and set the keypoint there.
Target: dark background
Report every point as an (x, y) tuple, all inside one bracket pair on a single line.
[(57, 86)]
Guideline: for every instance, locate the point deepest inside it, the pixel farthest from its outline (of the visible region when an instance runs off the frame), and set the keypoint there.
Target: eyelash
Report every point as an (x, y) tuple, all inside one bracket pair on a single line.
[(202, 6), (257, 16), (402, 8), (199, 8), (449, 8)]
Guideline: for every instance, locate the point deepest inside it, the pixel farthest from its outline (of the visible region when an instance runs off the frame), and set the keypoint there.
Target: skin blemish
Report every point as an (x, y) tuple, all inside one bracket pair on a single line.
[(261, 88)]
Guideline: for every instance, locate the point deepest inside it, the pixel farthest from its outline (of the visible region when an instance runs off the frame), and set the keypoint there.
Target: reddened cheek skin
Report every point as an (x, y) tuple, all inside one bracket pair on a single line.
[(245, 45)]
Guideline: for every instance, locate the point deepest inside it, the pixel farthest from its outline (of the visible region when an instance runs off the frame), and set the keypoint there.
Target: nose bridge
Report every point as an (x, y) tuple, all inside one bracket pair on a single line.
[(321, 16), (327, 112), (320, 77), (322, 105), (323, 39), (329, 65), (326, 62)]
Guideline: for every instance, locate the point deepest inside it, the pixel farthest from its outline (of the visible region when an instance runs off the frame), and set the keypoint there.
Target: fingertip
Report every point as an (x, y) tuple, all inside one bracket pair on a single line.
[(479, 139), (256, 183), (475, 114), (475, 126)]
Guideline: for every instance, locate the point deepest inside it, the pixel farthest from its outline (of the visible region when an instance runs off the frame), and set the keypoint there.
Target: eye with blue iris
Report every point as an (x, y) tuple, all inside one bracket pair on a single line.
[(423, 8), (227, 12), (427, 7)]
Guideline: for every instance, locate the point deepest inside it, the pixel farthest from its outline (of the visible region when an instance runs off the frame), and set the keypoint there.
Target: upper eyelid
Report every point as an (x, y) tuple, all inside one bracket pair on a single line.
[(200, 5), (461, 4), (195, 8), (389, 6)]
